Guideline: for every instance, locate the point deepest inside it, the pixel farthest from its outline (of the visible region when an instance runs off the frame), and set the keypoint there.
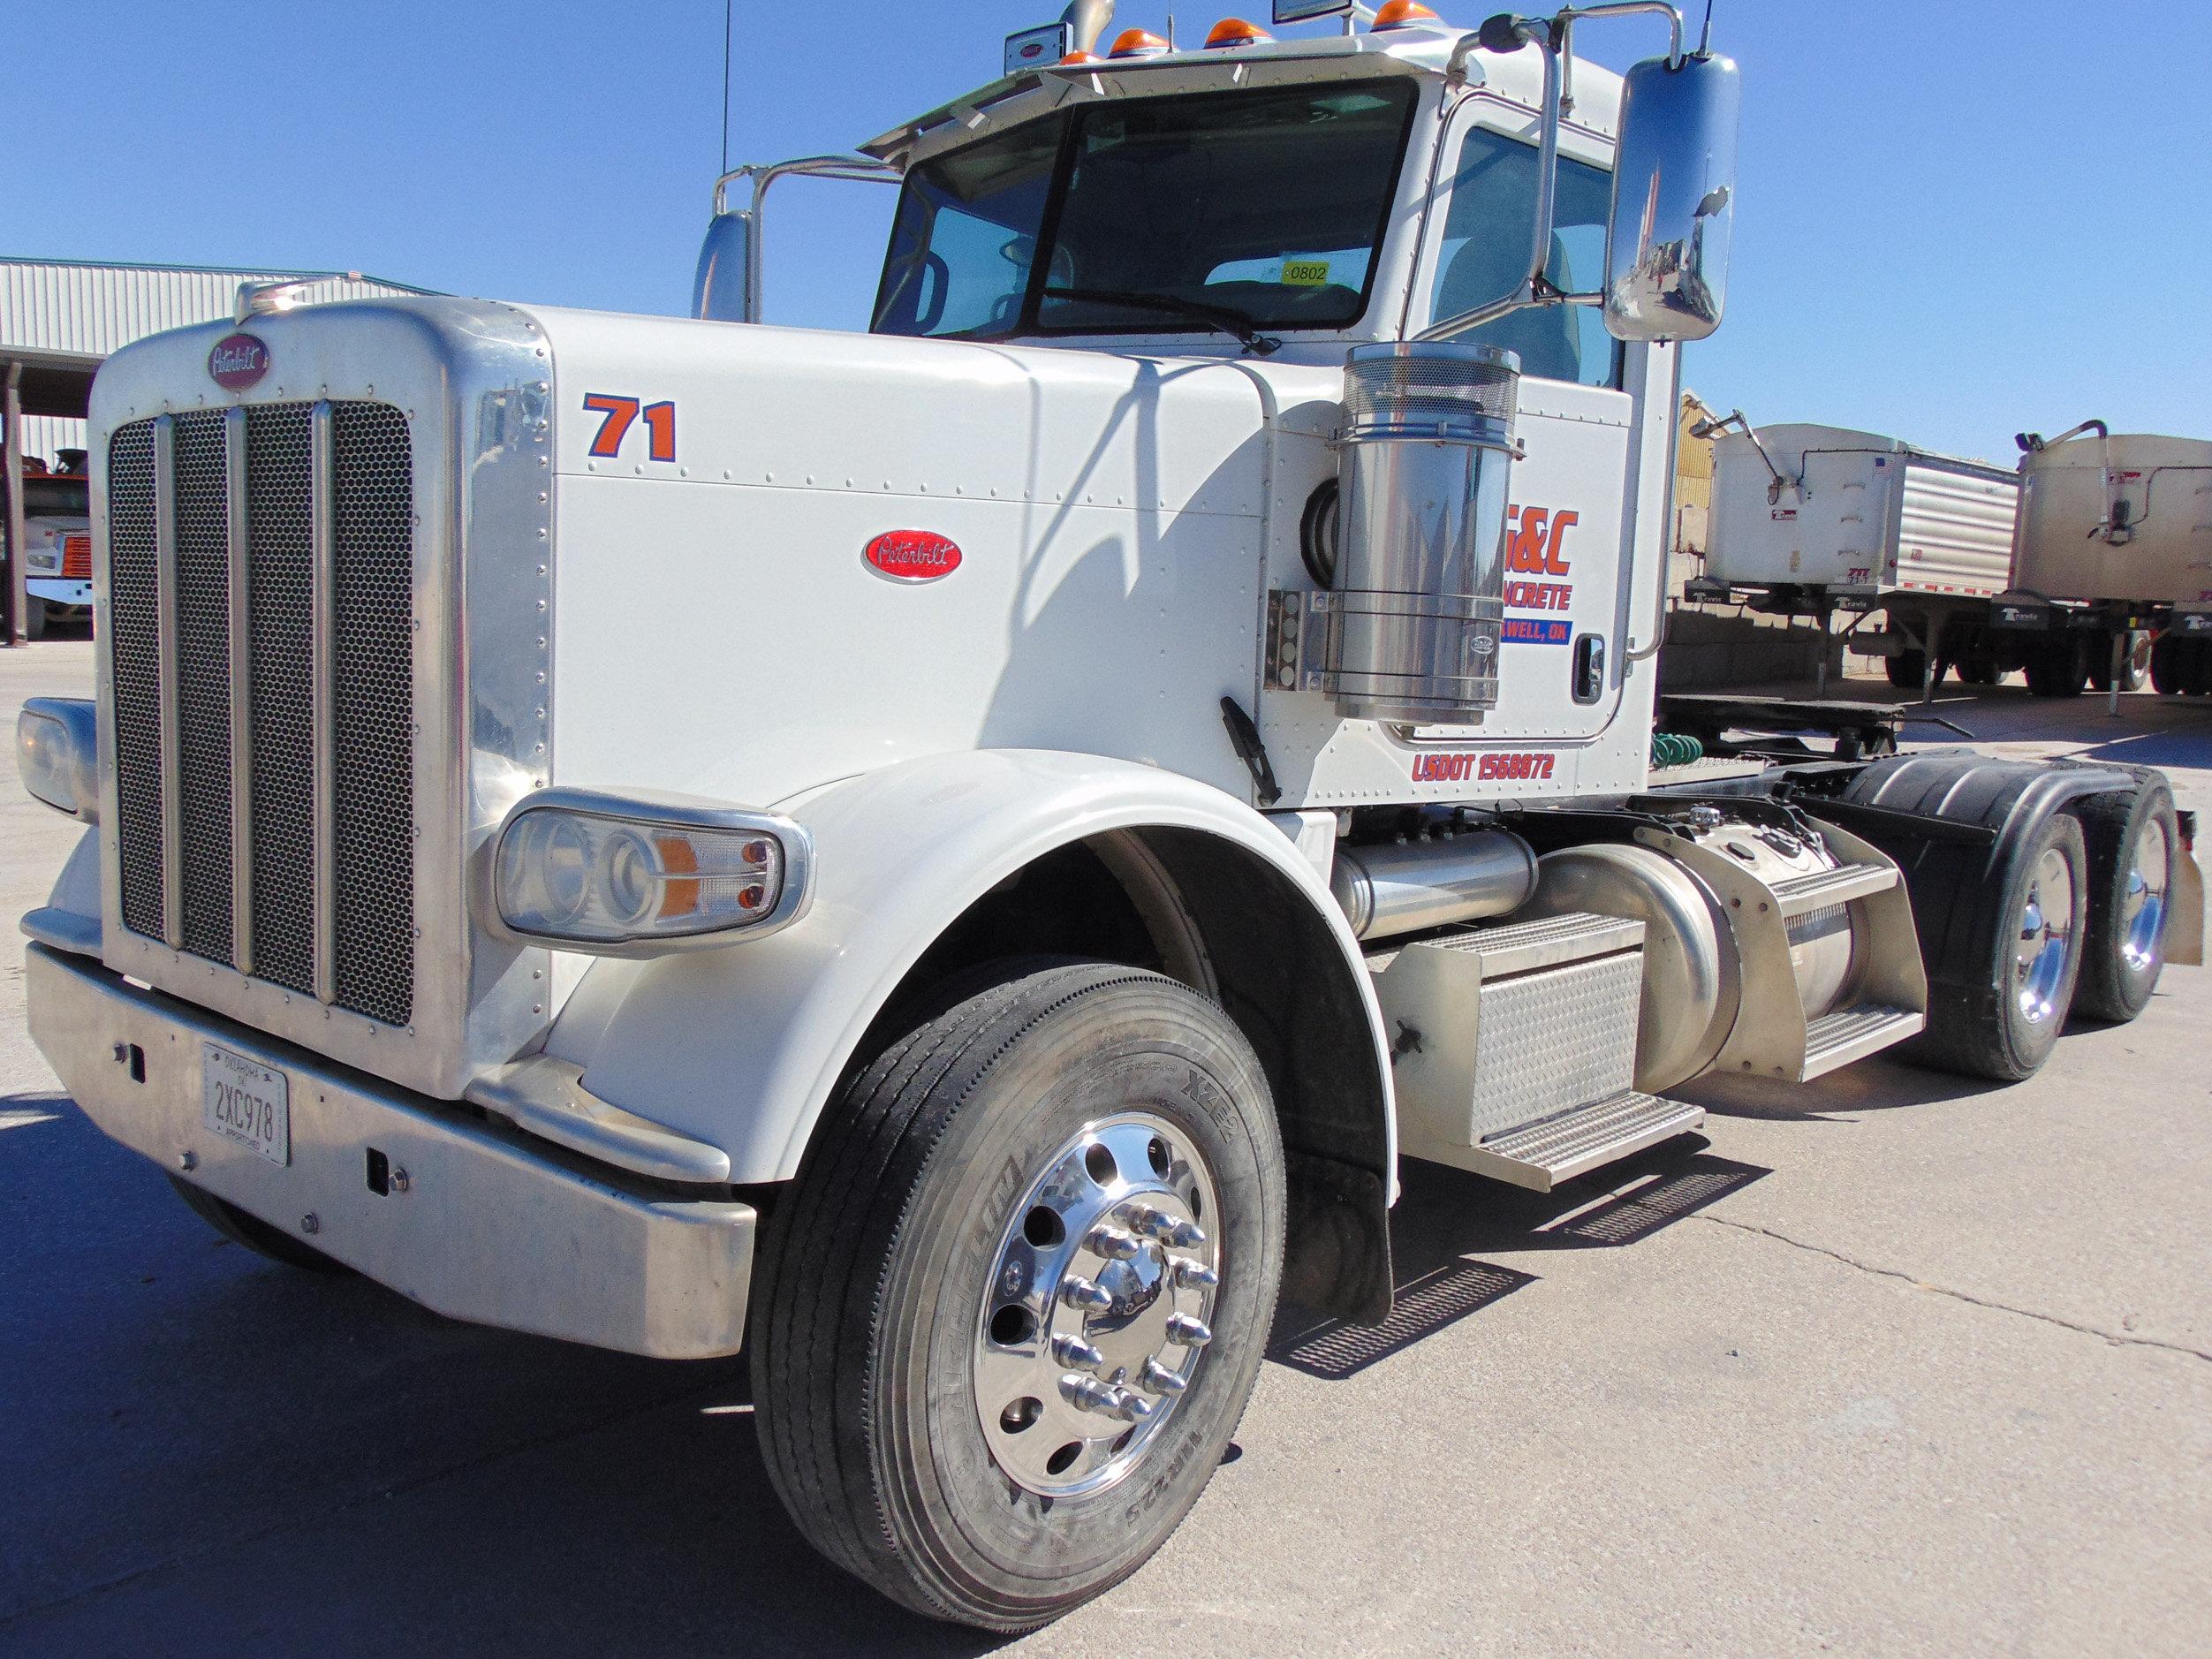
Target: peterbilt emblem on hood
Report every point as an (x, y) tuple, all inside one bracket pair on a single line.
[(238, 361), (913, 555)]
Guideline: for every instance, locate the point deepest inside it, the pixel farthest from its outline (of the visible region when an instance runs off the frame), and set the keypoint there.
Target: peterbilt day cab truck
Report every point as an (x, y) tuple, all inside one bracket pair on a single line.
[(1162, 731)]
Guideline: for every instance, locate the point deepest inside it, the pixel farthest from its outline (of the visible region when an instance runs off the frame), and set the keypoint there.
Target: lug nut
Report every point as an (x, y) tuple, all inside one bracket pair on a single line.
[(1191, 1333), (1074, 1350), (1131, 1408), (1114, 1244), (1088, 1393), (1157, 1223), (1081, 1294), (1190, 1274), (1160, 1380)]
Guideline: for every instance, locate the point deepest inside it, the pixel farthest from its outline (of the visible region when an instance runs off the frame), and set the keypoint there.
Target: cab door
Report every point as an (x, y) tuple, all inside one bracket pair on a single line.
[(1568, 531)]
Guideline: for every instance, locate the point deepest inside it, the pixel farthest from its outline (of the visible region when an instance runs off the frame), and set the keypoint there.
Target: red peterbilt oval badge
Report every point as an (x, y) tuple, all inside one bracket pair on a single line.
[(913, 555), (238, 361)]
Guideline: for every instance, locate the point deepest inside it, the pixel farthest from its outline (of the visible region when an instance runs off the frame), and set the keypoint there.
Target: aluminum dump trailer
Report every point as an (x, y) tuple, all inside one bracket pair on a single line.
[(2126, 518), (2115, 532), (1844, 515)]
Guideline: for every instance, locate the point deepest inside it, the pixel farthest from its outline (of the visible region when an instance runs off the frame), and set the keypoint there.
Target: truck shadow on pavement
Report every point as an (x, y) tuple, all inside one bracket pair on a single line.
[(212, 1454), (1445, 1217), (207, 1453)]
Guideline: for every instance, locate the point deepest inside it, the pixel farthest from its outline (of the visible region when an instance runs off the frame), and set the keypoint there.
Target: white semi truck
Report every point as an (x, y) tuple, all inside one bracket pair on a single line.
[(1160, 731)]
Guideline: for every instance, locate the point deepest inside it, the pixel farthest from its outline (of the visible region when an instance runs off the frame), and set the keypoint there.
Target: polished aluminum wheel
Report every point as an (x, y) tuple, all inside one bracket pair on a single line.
[(1096, 1319), (2143, 910), (2047, 922)]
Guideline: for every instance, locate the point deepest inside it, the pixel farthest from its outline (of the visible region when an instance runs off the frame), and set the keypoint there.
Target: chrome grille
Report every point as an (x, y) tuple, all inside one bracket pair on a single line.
[(260, 575)]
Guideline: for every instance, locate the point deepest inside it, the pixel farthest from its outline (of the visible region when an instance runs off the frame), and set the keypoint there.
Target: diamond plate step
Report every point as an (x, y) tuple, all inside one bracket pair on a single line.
[(1540, 1155), (1802, 894), (1853, 1034)]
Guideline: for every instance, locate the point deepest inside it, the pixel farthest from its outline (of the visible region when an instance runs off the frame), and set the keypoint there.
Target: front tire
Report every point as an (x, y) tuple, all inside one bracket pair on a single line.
[(1004, 1208), (2133, 841), (255, 1233)]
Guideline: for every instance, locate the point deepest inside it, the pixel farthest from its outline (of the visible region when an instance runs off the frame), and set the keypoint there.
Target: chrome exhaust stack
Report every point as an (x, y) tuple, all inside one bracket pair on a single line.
[(1420, 594)]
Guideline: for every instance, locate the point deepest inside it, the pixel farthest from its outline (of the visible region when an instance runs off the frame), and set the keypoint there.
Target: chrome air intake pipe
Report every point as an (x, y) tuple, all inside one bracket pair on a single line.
[(1420, 584), (1409, 886)]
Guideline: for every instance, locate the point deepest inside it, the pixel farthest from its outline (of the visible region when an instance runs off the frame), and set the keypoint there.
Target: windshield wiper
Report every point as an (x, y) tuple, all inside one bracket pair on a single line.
[(1230, 322)]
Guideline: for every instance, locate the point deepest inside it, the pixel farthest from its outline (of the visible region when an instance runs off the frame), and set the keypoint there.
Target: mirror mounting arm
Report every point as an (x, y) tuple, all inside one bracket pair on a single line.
[(860, 169), (1507, 33)]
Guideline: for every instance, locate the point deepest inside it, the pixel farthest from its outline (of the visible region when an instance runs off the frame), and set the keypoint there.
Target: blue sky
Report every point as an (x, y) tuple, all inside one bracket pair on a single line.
[(1955, 220)]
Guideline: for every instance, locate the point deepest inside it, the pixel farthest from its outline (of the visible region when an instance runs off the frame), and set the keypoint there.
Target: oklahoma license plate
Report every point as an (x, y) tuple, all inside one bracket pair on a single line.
[(242, 1100)]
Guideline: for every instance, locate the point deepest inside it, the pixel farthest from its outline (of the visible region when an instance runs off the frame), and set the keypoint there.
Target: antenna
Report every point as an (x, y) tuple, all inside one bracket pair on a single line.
[(1705, 40), (727, 7)]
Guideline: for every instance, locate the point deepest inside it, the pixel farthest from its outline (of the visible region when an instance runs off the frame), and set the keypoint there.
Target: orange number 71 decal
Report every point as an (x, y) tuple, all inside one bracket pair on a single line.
[(618, 414)]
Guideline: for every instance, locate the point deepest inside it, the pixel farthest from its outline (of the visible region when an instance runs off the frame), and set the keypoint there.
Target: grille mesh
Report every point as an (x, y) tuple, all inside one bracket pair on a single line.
[(376, 701), (133, 630), (278, 618), (203, 681), (372, 741)]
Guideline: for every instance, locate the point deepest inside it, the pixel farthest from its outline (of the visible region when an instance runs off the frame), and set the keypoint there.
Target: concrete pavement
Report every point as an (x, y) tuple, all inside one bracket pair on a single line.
[(1891, 1363)]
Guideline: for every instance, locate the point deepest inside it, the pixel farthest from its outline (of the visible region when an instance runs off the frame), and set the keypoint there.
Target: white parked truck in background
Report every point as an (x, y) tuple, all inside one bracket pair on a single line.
[(1160, 729), (57, 550)]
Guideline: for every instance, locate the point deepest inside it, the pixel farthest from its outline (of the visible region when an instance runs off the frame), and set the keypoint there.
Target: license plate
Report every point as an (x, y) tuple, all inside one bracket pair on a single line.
[(242, 1100)]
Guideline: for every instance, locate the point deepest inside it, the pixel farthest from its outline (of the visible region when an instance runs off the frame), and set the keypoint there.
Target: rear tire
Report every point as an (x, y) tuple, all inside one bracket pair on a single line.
[(255, 1233), (2019, 958), (912, 1275), (1906, 670), (2166, 677), (2137, 674), (2059, 667), (2133, 843)]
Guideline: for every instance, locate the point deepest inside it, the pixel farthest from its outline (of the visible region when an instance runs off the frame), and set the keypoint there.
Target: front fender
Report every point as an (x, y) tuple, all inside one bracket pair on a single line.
[(741, 1048)]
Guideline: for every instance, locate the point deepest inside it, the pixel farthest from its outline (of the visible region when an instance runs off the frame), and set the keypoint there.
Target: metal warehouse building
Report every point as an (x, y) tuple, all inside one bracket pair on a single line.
[(59, 321)]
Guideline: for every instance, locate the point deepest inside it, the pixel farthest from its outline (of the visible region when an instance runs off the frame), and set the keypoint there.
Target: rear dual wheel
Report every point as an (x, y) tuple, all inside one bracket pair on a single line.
[(2133, 841), (1014, 1303), (2018, 960)]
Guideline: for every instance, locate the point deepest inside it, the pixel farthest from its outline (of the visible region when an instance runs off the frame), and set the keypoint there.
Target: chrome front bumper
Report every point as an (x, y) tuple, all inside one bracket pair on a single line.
[(486, 1229)]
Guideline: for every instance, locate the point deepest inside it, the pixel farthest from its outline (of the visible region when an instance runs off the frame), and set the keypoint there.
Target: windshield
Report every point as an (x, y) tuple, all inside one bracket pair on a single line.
[(1264, 207)]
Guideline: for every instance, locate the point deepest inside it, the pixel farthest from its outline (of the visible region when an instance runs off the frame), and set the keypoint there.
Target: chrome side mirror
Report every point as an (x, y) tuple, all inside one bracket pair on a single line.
[(1674, 199), (723, 289)]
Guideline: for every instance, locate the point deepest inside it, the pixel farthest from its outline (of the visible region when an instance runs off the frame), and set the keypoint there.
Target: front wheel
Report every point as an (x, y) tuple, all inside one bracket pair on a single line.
[(1014, 1303), (255, 1233)]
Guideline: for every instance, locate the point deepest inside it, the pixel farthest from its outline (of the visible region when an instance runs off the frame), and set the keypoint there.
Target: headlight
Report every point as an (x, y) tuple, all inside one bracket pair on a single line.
[(56, 755), (41, 559), (644, 876)]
